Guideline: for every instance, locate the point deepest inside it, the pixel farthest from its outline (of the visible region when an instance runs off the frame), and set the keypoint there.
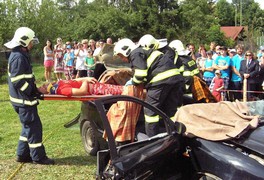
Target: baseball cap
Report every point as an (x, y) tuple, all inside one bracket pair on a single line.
[(261, 48), (232, 51), (217, 71)]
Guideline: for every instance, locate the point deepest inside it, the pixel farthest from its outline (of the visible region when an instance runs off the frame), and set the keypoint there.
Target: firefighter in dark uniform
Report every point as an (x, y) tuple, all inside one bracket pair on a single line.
[(23, 95), (148, 41), (189, 68), (159, 76)]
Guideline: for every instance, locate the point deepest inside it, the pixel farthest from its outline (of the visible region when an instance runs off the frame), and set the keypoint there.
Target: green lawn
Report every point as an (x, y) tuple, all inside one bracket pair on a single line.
[(64, 145)]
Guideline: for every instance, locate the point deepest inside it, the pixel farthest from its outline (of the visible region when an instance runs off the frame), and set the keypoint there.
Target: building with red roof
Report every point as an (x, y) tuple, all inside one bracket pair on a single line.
[(236, 33)]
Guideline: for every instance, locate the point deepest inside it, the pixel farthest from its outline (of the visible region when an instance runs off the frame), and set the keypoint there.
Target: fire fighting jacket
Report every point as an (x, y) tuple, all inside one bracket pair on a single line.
[(21, 81), (168, 51), (189, 70), (152, 68)]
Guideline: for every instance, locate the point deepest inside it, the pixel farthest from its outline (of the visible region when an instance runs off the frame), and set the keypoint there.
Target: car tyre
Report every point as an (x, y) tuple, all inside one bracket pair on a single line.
[(91, 145)]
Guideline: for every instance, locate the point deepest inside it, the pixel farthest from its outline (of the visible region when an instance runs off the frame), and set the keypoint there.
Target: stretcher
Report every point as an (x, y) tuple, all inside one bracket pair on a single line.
[(72, 98)]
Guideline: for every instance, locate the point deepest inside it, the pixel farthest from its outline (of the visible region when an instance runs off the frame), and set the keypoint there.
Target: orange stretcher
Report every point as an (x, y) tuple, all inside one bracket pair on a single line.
[(72, 98)]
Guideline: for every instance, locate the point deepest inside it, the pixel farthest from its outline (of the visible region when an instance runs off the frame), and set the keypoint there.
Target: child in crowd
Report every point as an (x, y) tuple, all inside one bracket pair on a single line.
[(217, 85), (90, 63), (68, 61)]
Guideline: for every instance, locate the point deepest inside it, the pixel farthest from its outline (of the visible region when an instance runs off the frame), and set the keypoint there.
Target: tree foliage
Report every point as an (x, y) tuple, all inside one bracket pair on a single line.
[(196, 21)]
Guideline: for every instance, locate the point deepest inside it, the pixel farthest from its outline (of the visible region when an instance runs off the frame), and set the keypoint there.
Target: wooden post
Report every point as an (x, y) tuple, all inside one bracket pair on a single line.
[(245, 90)]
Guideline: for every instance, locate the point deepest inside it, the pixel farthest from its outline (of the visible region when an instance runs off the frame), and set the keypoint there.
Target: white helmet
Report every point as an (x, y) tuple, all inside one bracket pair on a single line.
[(177, 45), (148, 41), (22, 37), (162, 43), (125, 47)]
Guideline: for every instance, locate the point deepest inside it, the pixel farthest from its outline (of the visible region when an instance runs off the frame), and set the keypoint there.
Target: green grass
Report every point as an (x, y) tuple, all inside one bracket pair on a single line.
[(64, 145)]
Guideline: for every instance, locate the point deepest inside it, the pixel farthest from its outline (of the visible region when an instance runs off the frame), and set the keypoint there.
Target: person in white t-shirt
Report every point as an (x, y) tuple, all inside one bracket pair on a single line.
[(80, 58)]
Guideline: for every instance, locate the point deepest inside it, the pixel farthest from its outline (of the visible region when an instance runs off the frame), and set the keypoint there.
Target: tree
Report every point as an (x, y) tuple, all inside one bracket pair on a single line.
[(225, 13)]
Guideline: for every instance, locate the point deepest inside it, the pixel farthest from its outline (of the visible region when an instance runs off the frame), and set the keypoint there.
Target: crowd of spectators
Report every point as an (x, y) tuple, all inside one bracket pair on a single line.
[(77, 59), (234, 65), (71, 60)]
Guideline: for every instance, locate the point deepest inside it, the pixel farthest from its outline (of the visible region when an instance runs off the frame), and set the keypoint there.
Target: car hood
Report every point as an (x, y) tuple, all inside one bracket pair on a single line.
[(252, 140)]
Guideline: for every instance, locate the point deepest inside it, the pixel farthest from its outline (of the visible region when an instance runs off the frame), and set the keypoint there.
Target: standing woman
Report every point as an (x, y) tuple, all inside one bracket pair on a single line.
[(59, 64), (80, 55), (48, 60)]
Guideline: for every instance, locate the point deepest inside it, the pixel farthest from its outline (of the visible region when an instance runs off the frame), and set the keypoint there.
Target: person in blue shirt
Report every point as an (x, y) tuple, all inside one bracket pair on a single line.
[(222, 63), (235, 83), (68, 61), (208, 70)]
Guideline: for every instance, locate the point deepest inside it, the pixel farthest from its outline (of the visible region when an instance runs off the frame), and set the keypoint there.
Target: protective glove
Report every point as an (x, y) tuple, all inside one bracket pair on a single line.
[(129, 82), (40, 96)]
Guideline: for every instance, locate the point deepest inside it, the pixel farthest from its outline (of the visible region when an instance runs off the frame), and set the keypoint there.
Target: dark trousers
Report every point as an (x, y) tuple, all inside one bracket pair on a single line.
[(82, 73), (167, 98), (30, 141), (236, 85)]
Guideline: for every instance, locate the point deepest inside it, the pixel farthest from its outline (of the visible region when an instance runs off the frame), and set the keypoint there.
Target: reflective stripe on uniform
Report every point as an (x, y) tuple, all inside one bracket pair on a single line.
[(196, 71), (187, 73), (136, 80), (144, 72), (141, 73), (22, 138), (22, 76), (35, 145), (181, 68), (191, 63), (151, 119), (24, 86), (190, 73), (176, 57), (165, 75), (22, 101), (153, 57)]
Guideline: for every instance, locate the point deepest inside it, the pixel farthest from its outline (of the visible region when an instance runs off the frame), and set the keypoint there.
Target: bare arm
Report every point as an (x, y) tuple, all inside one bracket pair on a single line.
[(235, 71), (83, 90)]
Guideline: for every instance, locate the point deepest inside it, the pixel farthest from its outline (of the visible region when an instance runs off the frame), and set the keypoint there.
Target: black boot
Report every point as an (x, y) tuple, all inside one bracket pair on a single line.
[(22, 159), (45, 161)]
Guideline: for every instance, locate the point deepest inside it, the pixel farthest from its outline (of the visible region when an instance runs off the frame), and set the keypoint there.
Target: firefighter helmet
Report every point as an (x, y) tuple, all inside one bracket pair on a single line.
[(22, 37), (149, 41), (125, 47), (177, 45)]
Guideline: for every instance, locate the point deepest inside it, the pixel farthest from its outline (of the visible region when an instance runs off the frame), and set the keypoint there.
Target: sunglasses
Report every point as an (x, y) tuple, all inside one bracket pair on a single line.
[(248, 54)]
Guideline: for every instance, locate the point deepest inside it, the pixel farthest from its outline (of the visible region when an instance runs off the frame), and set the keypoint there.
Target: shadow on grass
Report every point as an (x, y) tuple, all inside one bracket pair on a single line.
[(76, 160)]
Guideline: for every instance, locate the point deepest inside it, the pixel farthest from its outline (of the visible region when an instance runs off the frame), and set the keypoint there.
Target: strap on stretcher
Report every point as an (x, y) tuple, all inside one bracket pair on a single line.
[(72, 98)]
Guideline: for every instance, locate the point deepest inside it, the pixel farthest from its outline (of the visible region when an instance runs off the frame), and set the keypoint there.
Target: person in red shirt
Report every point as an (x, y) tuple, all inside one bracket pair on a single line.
[(80, 87), (218, 85)]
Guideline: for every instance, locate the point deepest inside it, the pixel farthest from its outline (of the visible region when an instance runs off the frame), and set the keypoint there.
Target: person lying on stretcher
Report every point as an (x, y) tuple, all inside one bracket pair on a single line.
[(80, 87)]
